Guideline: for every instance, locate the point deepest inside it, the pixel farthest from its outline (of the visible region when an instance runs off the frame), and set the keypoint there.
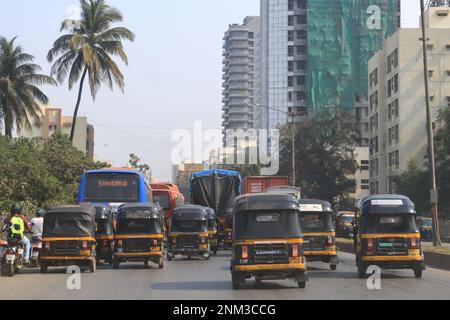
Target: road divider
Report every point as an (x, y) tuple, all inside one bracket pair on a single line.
[(432, 259)]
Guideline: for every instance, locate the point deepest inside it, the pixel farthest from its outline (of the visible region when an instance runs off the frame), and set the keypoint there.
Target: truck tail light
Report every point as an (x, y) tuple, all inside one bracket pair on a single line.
[(244, 252), (295, 251)]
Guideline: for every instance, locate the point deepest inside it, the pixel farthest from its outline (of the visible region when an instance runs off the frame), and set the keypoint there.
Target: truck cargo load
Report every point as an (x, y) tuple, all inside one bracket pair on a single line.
[(252, 185)]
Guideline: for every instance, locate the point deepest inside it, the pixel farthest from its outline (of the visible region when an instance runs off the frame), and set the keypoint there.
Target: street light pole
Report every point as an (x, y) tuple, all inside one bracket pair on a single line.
[(294, 179), (431, 153)]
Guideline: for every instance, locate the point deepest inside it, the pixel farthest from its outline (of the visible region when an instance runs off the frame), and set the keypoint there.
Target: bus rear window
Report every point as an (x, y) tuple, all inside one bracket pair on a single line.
[(111, 187)]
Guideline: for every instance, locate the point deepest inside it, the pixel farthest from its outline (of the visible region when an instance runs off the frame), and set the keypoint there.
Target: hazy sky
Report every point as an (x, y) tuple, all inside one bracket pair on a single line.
[(173, 79)]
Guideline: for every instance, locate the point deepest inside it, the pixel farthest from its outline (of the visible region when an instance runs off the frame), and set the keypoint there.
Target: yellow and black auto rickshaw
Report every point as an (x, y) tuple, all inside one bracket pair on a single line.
[(139, 235), (267, 240), (386, 235), (344, 226), (104, 234), (319, 231), (212, 230), (188, 234), (69, 238)]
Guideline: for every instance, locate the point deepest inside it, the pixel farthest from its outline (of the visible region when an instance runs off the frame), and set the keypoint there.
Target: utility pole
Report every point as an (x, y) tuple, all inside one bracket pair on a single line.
[(294, 179), (431, 154)]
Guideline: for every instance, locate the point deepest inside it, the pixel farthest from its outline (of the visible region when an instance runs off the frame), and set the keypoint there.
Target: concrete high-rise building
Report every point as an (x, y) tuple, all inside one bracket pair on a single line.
[(52, 121), (315, 55), (241, 78), (398, 128)]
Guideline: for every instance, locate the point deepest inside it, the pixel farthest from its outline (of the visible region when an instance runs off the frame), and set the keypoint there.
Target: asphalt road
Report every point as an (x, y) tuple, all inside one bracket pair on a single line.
[(209, 280)]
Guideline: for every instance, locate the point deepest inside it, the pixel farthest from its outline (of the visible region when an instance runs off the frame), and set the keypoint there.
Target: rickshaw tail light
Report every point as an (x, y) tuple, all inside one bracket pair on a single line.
[(155, 243), (85, 244), (119, 243), (369, 246), (330, 241), (244, 252), (414, 244), (47, 245), (295, 250)]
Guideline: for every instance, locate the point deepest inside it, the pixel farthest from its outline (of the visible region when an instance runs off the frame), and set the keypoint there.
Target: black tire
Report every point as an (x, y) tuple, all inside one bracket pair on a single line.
[(362, 271), (93, 266), (43, 267), (146, 263), (302, 284), (116, 264), (9, 270), (170, 257), (418, 273), (333, 267)]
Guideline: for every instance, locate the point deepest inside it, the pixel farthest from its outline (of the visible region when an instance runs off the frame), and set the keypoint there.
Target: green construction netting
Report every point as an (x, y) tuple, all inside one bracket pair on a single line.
[(340, 45)]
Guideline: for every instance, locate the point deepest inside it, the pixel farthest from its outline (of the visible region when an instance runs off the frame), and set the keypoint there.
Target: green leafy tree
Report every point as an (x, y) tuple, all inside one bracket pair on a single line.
[(415, 184), (325, 154), (87, 50), (20, 95)]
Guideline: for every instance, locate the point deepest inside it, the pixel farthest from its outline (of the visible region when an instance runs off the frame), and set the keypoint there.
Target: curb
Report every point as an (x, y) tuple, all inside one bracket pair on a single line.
[(432, 259)]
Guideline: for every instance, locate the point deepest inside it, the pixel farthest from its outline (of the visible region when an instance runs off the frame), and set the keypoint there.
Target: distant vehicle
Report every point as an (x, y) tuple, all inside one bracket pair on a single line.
[(169, 197), (139, 235), (426, 228), (114, 187), (261, 184), (294, 191), (318, 228), (387, 235), (69, 238), (213, 231), (189, 234), (104, 234), (344, 226), (267, 240), (216, 189)]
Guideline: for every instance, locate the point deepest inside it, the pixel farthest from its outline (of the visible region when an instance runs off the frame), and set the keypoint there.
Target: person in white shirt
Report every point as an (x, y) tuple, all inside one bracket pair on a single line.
[(37, 225)]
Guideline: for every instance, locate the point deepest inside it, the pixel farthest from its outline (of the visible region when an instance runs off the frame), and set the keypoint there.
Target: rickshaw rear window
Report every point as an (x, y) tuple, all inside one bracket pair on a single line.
[(378, 223), (261, 225), (139, 226), (68, 224), (316, 222), (189, 226), (104, 227), (163, 200)]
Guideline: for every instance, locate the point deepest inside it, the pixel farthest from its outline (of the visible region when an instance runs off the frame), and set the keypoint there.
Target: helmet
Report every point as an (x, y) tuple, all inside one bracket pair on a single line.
[(16, 208), (40, 213)]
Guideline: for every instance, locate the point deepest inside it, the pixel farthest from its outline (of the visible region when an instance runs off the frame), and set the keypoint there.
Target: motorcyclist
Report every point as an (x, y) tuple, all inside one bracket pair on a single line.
[(37, 225), (18, 225)]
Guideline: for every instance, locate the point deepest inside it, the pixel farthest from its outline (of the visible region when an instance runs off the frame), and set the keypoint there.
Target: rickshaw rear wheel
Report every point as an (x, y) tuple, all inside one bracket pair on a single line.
[(418, 273), (236, 285), (116, 263), (44, 268), (93, 266), (146, 262), (302, 284), (333, 267), (362, 271)]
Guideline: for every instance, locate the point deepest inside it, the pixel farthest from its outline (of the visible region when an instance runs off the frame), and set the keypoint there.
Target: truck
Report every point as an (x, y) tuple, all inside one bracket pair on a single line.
[(261, 184), (216, 189)]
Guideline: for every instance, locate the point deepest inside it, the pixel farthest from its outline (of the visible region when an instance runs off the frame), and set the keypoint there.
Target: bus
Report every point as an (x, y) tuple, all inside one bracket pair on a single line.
[(114, 187)]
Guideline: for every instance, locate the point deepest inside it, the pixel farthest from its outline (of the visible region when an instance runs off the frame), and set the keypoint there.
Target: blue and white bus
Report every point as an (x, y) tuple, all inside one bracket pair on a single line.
[(114, 187)]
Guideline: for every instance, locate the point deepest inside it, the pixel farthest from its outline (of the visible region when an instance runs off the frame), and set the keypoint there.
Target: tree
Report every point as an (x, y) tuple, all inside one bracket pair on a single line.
[(86, 51), (19, 86), (415, 184), (135, 163), (325, 154), (443, 159)]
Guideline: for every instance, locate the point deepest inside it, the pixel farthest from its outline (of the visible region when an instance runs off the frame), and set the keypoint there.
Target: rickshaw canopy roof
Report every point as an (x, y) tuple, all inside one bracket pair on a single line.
[(190, 212), (85, 210), (266, 201), (386, 204), (139, 211), (70, 221)]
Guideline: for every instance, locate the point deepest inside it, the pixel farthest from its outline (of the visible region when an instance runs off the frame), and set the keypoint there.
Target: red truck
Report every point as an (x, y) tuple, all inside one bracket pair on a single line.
[(261, 184)]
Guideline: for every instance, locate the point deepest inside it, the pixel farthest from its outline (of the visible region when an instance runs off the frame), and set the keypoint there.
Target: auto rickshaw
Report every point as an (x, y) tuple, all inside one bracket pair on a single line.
[(139, 235), (319, 234), (188, 234), (344, 226), (69, 238), (386, 234), (426, 228), (104, 234), (212, 230), (267, 240)]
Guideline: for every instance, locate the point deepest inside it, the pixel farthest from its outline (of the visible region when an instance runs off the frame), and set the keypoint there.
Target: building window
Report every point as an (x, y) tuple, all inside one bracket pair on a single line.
[(365, 165)]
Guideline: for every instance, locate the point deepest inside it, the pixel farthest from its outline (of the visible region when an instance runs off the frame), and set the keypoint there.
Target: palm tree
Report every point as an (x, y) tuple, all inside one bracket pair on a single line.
[(86, 51), (19, 93)]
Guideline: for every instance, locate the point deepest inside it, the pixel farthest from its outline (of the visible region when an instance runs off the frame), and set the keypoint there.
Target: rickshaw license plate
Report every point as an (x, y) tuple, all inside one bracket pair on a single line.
[(274, 252), (414, 253), (10, 257), (386, 245)]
